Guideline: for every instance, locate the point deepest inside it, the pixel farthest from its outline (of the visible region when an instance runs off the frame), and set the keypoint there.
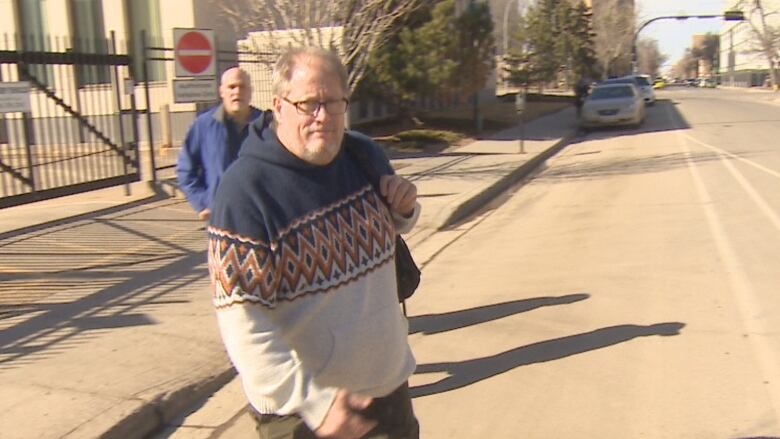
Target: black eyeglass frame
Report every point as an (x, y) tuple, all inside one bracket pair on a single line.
[(320, 105)]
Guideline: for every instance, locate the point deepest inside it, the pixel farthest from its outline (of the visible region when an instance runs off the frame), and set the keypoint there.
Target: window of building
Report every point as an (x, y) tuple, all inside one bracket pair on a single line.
[(32, 36), (89, 36), (144, 15)]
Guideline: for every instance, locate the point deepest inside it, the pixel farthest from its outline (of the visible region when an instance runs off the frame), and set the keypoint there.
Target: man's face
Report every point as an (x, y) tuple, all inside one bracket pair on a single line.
[(235, 91), (314, 138)]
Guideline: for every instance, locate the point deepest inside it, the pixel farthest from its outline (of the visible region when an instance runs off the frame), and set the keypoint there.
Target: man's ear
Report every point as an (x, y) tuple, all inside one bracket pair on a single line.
[(276, 106)]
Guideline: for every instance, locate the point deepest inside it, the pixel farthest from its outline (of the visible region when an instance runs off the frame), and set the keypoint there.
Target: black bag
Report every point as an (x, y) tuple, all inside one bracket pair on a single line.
[(407, 274)]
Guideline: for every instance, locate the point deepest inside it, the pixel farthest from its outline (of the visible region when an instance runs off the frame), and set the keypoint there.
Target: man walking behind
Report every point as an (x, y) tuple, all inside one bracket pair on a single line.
[(581, 90), (301, 256), (213, 141)]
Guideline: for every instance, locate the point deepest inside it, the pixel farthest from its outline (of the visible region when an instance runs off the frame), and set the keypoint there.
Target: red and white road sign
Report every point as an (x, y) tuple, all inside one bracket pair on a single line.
[(194, 52)]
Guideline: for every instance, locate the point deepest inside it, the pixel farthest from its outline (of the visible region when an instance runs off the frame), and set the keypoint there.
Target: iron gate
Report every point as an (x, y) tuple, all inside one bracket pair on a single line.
[(81, 133)]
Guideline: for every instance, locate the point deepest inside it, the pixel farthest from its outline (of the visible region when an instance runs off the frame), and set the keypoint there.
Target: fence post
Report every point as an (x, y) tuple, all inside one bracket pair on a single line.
[(134, 124), (118, 107), (27, 119), (150, 139), (165, 126)]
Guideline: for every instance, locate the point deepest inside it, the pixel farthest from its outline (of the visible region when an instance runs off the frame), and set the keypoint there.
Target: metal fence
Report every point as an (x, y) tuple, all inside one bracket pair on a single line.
[(99, 118), (79, 132)]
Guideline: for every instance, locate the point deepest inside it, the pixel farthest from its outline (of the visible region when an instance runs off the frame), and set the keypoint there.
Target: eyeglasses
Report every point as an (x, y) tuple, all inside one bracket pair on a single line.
[(311, 107)]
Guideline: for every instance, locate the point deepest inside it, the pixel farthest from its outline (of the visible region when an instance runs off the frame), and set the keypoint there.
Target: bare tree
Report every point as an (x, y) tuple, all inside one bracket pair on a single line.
[(687, 66), (650, 57), (766, 36), (362, 25), (614, 23)]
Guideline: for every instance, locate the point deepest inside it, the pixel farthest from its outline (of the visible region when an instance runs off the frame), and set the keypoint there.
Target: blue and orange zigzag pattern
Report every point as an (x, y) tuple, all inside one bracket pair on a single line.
[(327, 249)]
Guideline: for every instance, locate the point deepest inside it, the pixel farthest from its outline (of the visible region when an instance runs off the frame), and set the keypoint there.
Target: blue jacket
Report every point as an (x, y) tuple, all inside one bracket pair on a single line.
[(206, 154)]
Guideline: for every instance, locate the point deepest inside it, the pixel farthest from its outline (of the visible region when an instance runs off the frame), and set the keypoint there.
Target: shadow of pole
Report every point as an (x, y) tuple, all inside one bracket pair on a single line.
[(464, 373), (436, 323), (61, 322)]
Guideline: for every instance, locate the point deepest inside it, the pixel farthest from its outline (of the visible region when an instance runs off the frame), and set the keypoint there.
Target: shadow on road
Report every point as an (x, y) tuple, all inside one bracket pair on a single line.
[(592, 170), (464, 373), (64, 283), (436, 323)]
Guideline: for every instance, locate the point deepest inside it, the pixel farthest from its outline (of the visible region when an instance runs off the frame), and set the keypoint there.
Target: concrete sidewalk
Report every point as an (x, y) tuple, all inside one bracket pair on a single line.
[(107, 328)]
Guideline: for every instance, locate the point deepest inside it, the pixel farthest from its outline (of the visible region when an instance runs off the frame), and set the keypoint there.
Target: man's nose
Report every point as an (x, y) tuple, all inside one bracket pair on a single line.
[(320, 114)]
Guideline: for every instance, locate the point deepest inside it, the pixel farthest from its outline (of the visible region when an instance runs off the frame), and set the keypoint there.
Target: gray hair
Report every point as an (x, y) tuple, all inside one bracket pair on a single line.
[(280, 79)]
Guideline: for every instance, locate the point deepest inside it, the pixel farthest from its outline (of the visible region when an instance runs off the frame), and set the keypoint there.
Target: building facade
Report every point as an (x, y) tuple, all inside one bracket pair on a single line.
[(111, 27), (742, 63), (704, 68)]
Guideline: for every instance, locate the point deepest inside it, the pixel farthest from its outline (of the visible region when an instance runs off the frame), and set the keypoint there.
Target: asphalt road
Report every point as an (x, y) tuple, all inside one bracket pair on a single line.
[(633, 288)]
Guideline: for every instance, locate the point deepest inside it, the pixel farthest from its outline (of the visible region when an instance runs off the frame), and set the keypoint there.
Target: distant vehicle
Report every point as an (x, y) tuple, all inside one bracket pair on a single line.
[(707, 83), (614, 104), (659, 83), (692, 82), (641, 82)]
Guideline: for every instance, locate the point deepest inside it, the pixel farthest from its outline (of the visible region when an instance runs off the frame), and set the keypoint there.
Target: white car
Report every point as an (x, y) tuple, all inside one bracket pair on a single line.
[(613, 105), (641, 82)]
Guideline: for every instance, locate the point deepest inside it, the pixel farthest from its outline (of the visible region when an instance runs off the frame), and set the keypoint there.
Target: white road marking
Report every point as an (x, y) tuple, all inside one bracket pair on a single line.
[(734, 156), (744, 294), (766, 209)]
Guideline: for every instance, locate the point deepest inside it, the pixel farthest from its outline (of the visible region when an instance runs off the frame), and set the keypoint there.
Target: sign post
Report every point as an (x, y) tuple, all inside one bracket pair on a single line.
[(195, 58), (520, 99)]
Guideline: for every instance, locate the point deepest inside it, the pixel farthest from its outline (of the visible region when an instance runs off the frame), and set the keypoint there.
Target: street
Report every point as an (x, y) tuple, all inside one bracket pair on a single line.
[(629, 290)]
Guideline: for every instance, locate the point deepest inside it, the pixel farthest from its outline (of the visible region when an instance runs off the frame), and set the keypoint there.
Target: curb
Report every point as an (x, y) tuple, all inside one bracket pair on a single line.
[(153, 416), (476, 202)]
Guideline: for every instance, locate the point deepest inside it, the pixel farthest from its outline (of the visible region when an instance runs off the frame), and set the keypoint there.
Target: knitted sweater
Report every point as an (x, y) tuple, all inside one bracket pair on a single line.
[(301, 259)]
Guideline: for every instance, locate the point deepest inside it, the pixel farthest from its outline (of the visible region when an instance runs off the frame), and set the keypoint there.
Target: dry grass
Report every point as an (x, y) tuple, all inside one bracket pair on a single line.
[(435, 131), (501, 112)]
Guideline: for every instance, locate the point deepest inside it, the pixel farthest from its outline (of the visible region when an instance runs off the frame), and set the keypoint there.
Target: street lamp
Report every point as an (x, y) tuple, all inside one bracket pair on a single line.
[(731, 15)]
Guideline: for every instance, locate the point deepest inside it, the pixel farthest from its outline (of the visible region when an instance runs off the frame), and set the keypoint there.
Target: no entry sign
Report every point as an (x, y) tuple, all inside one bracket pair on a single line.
[(194, 52)]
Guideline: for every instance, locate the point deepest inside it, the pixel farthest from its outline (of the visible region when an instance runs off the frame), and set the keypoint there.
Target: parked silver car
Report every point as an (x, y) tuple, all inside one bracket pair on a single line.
[(641, 82), (613, 104)]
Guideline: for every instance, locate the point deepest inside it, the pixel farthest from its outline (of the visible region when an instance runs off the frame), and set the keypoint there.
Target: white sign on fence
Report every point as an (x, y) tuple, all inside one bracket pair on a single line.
[(15, 97), (186, 91), (129, 86), (520, 102)]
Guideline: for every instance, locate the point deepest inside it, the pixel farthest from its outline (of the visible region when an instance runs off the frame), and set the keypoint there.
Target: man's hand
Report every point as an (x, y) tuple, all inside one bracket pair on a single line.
[(344, 420), (400, 193), (204, 214)]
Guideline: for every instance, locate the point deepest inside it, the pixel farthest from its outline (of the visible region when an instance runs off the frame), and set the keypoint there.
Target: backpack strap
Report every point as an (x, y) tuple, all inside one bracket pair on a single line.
[(360, 155)]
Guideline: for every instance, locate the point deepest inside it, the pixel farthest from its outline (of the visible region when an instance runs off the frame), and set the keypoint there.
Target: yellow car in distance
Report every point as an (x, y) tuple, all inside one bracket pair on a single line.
[(659, 83)]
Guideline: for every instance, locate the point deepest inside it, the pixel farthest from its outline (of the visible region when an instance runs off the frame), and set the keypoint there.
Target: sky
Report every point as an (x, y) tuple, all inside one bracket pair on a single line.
[(674, 36)]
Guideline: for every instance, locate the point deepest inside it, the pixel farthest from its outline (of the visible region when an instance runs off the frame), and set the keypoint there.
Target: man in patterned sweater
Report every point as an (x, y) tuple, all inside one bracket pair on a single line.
[(301, 256)]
